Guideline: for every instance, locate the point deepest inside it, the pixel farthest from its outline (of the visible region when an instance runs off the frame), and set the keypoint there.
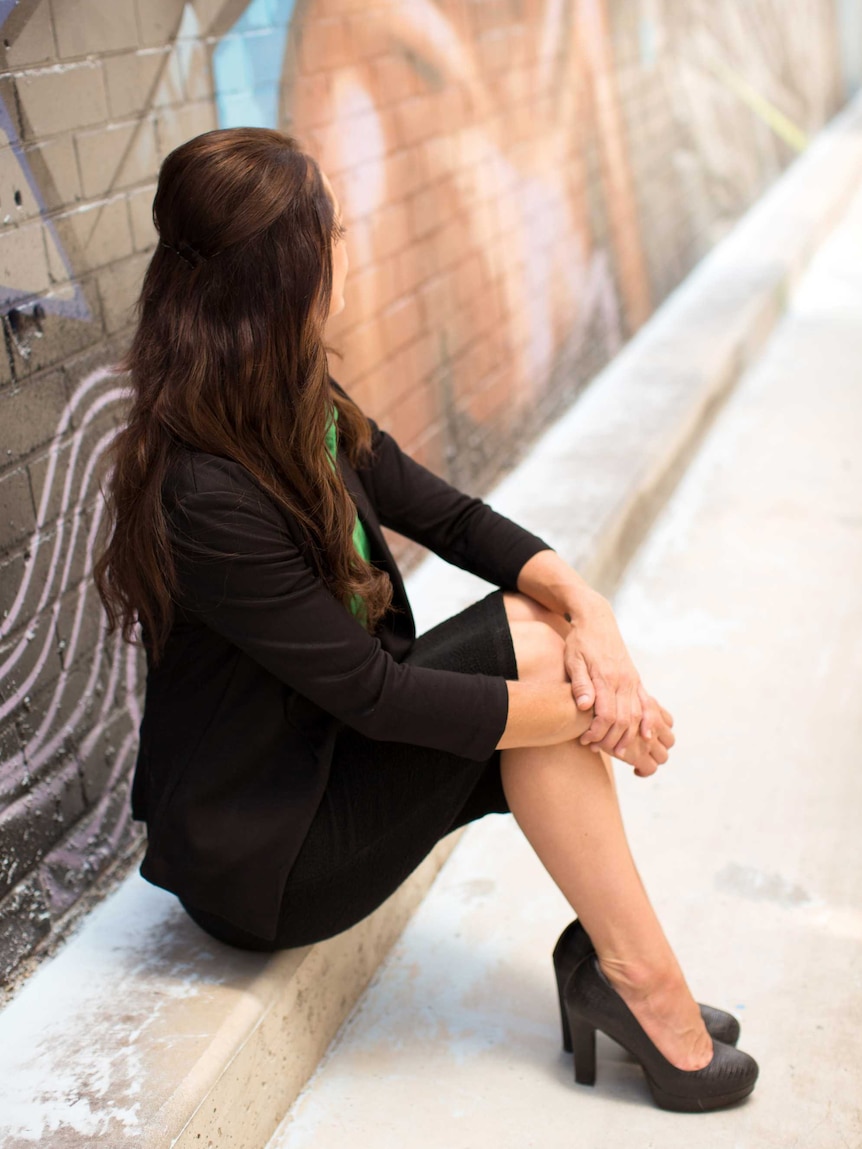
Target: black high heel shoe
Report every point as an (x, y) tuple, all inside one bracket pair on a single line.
[(590, 1002), (574, 944)]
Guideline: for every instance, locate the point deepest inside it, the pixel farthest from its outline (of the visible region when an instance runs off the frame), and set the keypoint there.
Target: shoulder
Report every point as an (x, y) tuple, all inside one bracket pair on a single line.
[(208, 488), (191, 471)]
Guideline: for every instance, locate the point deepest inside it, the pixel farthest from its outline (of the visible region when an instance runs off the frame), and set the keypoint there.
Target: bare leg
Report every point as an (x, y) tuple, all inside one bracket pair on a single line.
[(564, 799)]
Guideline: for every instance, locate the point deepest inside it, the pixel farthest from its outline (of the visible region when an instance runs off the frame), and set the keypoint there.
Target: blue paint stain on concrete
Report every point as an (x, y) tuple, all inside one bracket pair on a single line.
[(248, 63)]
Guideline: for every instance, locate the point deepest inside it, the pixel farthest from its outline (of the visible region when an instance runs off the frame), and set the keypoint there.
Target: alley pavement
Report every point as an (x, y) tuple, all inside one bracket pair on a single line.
[(743, 612)]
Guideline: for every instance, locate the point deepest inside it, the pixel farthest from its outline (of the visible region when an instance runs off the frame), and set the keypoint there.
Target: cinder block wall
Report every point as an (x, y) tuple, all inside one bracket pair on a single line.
[(523, 183)]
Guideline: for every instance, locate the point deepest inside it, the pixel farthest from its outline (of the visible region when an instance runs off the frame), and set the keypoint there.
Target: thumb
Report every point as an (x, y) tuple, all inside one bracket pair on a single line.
[(582, 687)]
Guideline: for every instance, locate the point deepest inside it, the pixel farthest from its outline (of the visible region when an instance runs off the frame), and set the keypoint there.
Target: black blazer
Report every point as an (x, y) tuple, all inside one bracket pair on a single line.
[(264, 665)]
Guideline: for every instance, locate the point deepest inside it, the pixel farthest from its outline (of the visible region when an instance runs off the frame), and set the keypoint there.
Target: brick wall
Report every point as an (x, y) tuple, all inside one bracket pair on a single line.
[(522, 185)]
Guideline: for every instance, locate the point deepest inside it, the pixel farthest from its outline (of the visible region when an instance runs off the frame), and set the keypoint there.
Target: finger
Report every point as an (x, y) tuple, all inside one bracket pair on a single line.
[(583, 690), (633, 723), (658, 751), (583, 694), (661, 729), (640, 760), (608, 739), (653, 720), (604, 717), (639, 756), (612, 739), (657, 756), (666, 737), (645, 769), (649, 712), (617, 726), (625, 728)]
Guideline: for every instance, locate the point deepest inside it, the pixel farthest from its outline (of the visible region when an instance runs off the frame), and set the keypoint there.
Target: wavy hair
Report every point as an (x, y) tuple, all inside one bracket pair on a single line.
[(228, 357)]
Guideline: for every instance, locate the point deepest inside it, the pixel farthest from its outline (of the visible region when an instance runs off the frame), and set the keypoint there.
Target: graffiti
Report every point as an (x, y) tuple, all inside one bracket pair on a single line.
[(247, 65), (45, 252), (743, 100), (513, 202), (31, 262), (497, 168), (97, 678), (43, 600), (247, 76)]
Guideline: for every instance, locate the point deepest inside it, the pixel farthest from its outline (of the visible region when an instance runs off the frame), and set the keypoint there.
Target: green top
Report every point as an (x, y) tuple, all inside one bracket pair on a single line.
[(360, 539)]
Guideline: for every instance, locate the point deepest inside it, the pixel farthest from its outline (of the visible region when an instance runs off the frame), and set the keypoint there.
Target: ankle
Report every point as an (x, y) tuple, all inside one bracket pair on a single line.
[(662, 1002), (638, 980)]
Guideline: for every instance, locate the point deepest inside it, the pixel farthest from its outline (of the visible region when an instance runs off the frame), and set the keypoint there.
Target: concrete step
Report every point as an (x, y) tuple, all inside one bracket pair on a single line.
[(142, 1031), (743, 613)]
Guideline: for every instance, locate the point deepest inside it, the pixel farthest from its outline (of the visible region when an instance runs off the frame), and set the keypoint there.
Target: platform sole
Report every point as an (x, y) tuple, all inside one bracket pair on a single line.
[(696, 1104)]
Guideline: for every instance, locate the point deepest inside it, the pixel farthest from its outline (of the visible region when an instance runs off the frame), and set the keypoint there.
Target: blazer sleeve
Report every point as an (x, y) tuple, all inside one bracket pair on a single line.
[(242, 574), (460, 528)]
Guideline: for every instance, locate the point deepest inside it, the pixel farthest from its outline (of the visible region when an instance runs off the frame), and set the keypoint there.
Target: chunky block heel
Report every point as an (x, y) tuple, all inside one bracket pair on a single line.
[(564, 1023), (584, 1043)]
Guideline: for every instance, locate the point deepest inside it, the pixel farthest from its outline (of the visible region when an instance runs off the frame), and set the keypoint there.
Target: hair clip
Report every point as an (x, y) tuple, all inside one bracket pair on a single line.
[(186, 252)]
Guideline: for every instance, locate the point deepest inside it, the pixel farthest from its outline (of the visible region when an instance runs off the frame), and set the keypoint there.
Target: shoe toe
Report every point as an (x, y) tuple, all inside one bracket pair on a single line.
[(721, 1025)]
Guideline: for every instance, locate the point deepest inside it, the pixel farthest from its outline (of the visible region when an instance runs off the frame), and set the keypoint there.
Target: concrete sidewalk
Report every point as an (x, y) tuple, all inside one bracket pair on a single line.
[(743, 611)]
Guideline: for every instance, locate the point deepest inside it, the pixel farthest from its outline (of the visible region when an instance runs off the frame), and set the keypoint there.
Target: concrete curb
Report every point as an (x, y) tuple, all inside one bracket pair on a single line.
[(143, 1031)]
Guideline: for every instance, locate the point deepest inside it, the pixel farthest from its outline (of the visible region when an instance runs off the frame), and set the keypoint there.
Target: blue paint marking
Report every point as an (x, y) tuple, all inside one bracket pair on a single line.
[(10, 297), (248, 63), (247, 70)]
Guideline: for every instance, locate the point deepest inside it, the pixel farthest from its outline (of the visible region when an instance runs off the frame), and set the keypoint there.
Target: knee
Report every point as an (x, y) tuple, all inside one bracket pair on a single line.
[(521, 608), (539, 652)]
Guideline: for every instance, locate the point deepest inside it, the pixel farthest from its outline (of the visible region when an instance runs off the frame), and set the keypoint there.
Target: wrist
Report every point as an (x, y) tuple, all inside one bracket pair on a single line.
[(582, 602), (548, 579)]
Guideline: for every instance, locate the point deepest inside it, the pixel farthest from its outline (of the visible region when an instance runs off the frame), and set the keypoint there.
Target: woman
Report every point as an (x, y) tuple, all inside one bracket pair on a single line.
[(301, 751)]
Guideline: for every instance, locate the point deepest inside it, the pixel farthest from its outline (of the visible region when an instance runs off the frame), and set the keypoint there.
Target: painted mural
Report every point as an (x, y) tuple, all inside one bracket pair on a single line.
[(522, 183)]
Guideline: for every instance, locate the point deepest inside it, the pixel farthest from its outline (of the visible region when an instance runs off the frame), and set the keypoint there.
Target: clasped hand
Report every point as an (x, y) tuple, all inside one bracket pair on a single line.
[(629, 724)]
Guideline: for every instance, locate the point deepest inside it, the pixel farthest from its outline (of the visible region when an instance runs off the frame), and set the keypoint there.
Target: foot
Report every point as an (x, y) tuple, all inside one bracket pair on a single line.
[(668, 1014)]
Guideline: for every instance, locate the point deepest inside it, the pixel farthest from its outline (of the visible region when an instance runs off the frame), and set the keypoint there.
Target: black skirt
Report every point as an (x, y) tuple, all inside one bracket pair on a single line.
[(387, 804)]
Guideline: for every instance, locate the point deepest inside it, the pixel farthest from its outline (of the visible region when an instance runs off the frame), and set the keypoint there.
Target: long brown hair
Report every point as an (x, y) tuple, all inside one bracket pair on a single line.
[(229, 358)]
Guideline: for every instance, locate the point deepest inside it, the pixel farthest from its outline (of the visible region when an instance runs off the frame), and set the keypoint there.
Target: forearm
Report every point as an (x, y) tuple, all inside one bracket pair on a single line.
[(548, 578), (460, 528), (542, 714)]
